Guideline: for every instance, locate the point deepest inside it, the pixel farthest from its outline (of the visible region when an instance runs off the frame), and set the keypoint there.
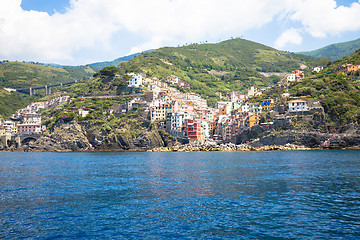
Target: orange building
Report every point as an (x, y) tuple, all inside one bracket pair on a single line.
[(252, 120), (346, 68)]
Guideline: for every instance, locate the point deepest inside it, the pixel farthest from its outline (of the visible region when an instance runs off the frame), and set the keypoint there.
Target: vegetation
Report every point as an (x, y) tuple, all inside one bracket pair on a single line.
[(100, 65), (10, 102), (337, 92), (19, 75), (99, 119), (335, 51), (223, 67)]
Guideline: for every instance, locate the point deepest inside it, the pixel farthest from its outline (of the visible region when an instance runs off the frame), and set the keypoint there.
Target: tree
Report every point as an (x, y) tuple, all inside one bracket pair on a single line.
[(325, 61), (109, 71)]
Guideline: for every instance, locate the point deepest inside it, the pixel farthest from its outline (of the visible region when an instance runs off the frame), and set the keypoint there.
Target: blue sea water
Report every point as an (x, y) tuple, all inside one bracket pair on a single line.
[(212, 195)]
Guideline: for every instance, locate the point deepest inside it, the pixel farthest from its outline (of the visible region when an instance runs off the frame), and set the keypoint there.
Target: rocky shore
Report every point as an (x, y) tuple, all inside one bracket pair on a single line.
[(227, 148), (73, 137)]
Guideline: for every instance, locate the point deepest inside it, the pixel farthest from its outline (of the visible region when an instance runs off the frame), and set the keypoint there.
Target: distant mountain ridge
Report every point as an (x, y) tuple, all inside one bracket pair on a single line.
[(100, 65), (97, 66), (335, 51)]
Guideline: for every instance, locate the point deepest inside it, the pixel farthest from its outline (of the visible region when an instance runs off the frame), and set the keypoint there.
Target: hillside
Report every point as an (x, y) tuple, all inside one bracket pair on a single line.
[(100, 65), (335, 51), (19, 74), (338, 92), (209, 68), (89, 69), (10, 102)]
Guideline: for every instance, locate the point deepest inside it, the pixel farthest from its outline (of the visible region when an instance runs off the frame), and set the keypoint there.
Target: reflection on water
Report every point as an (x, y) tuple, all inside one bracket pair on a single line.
[(216, 195)]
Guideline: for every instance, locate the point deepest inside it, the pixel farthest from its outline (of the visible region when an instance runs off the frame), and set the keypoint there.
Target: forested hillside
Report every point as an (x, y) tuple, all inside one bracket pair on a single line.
[(209, 68), (339, 92), (335, 51), (19, 74)]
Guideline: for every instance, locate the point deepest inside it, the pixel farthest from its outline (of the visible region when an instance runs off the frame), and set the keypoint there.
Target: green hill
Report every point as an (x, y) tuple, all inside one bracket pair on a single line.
[(209, 68), (89, 69), (338, 92), (335, 51), (100, 65), (19, 74)]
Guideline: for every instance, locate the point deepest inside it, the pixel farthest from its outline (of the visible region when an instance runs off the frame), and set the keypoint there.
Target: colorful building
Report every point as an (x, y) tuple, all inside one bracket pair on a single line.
[(193, 129)]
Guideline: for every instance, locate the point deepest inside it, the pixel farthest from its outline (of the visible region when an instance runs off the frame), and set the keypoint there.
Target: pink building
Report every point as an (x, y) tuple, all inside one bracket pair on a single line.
[(28, 128)]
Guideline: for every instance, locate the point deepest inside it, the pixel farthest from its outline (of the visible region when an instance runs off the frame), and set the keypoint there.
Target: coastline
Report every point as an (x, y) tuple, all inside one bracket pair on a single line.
[(232, 149), (193, 148)]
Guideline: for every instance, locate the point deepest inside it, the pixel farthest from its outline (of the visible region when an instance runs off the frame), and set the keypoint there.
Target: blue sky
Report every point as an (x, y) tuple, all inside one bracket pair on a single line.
[(85, 31), (49, 6)]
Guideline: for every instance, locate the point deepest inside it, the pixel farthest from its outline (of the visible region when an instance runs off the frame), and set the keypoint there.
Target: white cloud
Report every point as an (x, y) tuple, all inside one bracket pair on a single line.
[(96, 24), (324, 17), (290, 36)]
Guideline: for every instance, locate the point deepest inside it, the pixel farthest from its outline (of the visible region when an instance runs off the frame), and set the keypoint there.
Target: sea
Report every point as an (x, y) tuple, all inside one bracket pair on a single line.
[(190, 195)]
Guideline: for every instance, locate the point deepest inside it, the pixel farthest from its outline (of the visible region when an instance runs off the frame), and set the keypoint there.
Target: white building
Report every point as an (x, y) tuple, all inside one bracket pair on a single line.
[(245, 107), (205, 130), (175, 123), (9, 125), (291, 77), (153, 87), (255, 108), (83, 113), (253, 91), (135, 80), (317, 69), (298, 105)]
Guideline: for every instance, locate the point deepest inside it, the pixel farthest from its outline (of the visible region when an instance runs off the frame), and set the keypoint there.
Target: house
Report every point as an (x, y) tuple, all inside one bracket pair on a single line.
[(8, 125), (245, 107), (252, 120), (285, 95), (297, 105), (135, 81), (299, 74), (193, 129), (2, 130), (150, 96), (28, 128), (174, 123), (173, 79), (224, 107), (255, 108), (346, 68), (236, 97), (30, 118), (318, 69), (184, 85), (159, 109), (315, 104), (154, 87), (253, 92), (83, 113), (267, 105), (205, 130), (291, 77)]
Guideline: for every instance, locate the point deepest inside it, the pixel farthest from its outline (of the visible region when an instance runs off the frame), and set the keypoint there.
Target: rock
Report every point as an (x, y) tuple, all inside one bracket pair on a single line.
[(66, 137)]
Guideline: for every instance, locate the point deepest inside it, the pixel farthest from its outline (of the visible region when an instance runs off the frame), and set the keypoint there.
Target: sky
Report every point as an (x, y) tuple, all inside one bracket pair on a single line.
[(78, 32)]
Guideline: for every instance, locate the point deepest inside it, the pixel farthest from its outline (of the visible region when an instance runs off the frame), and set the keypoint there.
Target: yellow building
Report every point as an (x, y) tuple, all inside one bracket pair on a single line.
[(267, 105), (252, 120)]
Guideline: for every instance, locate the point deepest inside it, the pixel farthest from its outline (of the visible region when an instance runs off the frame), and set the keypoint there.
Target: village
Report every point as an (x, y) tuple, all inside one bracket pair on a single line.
[(187, 116)]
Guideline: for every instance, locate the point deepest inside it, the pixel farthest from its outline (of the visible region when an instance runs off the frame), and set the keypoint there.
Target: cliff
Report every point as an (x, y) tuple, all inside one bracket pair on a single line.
[(74, 137)]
